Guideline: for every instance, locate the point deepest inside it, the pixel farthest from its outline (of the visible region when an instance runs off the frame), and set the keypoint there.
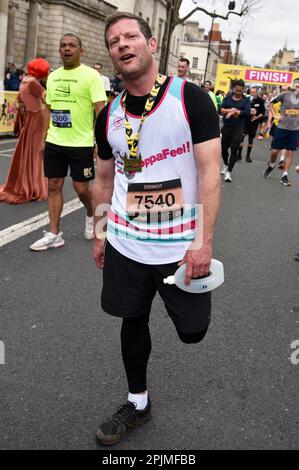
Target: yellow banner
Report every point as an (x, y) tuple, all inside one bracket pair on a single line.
[(8, 110), (228, 72)]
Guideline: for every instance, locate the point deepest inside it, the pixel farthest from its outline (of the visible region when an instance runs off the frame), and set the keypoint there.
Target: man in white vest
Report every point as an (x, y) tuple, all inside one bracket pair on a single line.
[(159, 163)]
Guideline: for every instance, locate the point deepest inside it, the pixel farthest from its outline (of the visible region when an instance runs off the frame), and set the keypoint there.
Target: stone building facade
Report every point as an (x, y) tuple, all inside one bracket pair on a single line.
[(32, 28), (204, 55), (282, 59)]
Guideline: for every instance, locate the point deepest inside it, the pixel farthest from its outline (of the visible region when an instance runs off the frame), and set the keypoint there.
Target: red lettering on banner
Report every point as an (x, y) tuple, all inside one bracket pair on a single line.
[(173, 153)]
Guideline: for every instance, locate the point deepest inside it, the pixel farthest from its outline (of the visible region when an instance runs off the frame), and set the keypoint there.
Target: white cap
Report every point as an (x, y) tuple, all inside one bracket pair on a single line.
[(169, 280)]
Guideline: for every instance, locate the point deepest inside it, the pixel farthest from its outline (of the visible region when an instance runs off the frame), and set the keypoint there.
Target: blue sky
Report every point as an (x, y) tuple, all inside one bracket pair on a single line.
[(263, 33)]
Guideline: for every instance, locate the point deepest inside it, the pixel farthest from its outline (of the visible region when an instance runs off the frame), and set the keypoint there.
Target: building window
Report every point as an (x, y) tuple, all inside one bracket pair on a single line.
[(148, 20), (177, 47), (140, 14), (195, 62)]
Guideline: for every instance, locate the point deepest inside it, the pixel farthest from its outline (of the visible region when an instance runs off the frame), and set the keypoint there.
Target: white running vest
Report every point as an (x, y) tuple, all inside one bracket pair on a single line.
[(166, 147)]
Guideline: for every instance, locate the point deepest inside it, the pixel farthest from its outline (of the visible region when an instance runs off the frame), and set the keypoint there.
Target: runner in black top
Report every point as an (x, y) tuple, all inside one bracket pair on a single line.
[(134, 266), (257, 112), (235, 108)]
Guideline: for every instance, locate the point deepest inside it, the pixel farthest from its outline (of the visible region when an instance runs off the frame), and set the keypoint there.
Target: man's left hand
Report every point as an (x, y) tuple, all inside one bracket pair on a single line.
[(198, 262)]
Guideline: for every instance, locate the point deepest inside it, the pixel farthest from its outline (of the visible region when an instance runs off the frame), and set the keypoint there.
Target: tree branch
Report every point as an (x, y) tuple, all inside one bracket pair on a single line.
[(243, 12)]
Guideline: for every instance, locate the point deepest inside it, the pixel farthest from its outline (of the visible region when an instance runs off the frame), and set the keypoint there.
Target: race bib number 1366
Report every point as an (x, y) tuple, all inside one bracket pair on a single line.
[(61, 118)]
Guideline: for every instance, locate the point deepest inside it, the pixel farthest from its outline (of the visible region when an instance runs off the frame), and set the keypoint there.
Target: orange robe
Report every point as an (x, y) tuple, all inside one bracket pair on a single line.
[(25, 180)]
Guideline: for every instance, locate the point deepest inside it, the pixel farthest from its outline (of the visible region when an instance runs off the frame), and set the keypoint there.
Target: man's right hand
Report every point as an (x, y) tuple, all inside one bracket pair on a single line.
[(99, 252)]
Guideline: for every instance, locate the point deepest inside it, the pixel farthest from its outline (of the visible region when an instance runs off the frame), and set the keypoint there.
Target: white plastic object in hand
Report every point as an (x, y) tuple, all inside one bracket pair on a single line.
[(198, 286)]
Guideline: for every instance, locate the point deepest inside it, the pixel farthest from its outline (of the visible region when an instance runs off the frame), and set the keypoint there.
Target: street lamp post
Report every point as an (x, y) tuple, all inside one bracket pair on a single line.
[(231, 6), (209, 46)]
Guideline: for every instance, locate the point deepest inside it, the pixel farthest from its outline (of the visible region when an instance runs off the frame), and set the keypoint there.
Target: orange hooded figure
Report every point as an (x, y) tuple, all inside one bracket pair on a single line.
[(25, 180)]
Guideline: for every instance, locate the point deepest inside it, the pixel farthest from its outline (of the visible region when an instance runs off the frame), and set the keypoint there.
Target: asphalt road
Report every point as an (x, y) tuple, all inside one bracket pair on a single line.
[(238, 389)]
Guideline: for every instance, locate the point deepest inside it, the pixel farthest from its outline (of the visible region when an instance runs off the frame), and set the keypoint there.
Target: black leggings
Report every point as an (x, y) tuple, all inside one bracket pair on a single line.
[(231, 138), (136, 348)]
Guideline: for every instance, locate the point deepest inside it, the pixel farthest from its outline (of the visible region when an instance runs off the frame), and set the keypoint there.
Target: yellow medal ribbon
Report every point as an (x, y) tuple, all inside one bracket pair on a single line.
[(131, 140)]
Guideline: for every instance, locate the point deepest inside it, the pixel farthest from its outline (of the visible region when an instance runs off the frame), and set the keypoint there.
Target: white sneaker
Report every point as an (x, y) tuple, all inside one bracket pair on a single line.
[(89, 231), (224, 170), (228, 177), (49, 240)]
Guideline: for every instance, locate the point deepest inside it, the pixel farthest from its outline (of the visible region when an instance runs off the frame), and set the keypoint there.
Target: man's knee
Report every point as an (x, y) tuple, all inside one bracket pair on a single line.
[(55, 185), (192, 338), (81, 189)]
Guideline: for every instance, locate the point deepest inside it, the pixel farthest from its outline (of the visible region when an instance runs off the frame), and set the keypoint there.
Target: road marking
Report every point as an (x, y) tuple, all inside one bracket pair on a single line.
[(14, 232), (7, 150), (8, 141), (5, 155)]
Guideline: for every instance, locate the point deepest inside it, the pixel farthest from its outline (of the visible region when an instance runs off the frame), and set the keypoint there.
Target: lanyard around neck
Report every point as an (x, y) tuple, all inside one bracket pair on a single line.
[(131, 140)]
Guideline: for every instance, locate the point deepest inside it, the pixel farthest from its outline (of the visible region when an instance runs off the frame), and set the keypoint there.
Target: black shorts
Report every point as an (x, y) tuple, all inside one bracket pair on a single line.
[(231, 136), (130, 287), (250, 131), (58, 159)]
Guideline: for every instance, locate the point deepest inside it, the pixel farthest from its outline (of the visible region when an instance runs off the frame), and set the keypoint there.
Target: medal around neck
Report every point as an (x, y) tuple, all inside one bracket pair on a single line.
[(198, 286), (133, 164)]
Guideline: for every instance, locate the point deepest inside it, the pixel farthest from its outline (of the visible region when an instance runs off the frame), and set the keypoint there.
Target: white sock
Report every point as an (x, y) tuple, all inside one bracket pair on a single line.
[(285, 173), (139, 399), (272, 165)]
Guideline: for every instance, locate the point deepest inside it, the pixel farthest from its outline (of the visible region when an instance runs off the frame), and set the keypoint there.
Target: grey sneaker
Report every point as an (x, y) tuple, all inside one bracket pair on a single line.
[(122, 422), (89, 231), (267, 171), (228, 177), (49, 240)]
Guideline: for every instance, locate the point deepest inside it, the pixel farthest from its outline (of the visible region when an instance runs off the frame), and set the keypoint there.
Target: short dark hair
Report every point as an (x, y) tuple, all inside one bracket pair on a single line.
[(98, 63), (72, 34), (120, 15), (208, 81), (240, 83), (183, 59)]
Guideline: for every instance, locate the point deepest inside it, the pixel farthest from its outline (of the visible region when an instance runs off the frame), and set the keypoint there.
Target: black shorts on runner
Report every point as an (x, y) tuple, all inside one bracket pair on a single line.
[(130, 287), (250, 131), (231, 136), (58, 159)]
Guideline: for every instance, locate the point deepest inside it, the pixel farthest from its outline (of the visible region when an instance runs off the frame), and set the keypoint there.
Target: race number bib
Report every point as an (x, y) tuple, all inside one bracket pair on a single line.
[(155, 202), (292, 112), (61, 118)]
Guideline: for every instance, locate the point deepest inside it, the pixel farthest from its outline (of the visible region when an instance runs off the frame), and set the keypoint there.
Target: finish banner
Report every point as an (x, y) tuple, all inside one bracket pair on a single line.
[(8, 111), (228, 72)]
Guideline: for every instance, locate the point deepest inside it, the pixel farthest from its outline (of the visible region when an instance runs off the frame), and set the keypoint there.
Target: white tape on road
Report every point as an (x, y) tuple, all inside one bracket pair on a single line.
[(6, 150), (14, 232)]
